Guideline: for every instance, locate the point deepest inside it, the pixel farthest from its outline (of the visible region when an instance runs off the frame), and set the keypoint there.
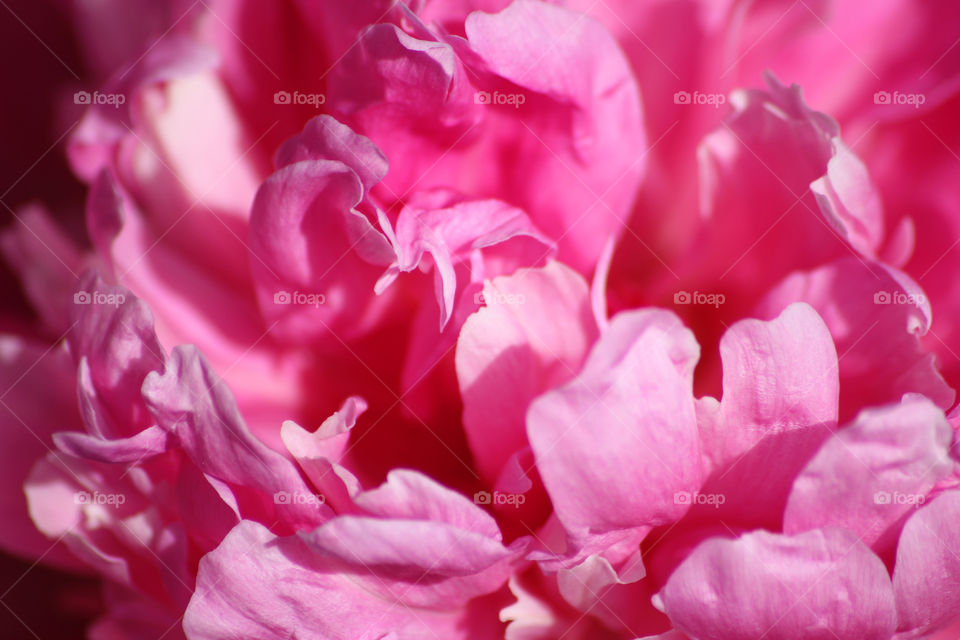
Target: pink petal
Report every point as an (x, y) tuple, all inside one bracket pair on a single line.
[(532, 334), (561, 54), (927, 570), (876, 316), (779, 403), (39, 398), (145, 444), (871, 474), (304, 231), (429, 546), (324, 138), (256, 585), (197, 408), (631, 407), (820, 584)]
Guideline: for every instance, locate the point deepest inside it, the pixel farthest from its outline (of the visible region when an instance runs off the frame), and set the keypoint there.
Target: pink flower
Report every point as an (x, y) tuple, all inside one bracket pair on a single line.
[(501, 319)]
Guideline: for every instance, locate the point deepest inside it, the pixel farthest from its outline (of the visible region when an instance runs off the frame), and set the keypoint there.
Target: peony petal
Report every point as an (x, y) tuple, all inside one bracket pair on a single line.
[(197, 408), (927, 569), (303, 234), (146, 444), (876, 316), (532, 333), (324, 138), (632, 408), (819, 584), (256, 585), (874, 472)]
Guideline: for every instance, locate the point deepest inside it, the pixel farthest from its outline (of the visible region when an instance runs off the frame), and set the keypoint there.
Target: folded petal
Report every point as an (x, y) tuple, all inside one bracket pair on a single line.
[(876, 316), (256, 585), (532, 334), (423, 544), (145, 444), (871, 474), (631, 408), (779, 403), (114, 341), (306, 241), (191, 403), (819, 584), (598, 161)]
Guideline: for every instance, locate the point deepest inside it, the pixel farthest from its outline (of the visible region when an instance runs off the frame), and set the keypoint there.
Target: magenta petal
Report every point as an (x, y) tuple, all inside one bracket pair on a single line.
[(823, 584), (581, 185)]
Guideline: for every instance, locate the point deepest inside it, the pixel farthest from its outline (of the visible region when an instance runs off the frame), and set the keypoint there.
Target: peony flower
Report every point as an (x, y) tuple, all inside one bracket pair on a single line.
[(505, 319)]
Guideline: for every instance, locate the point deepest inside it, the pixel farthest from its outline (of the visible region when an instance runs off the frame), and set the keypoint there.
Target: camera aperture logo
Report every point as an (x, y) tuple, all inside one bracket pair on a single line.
[(887, 98), (498, 298), (497, 98), (299, 298), (697, 297), (97, 98), (915, 500), (697, 498), (899, 297), (315, 100), (111, 499), (99, 297), (499, 498), (696, 98), (298, 498)]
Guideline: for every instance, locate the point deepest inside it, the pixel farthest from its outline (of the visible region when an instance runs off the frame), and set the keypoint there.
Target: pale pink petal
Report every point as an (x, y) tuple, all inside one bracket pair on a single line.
[(820, 584), (871, 474), (532, 334), (927, 569), (256, 585), (632, 408)]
